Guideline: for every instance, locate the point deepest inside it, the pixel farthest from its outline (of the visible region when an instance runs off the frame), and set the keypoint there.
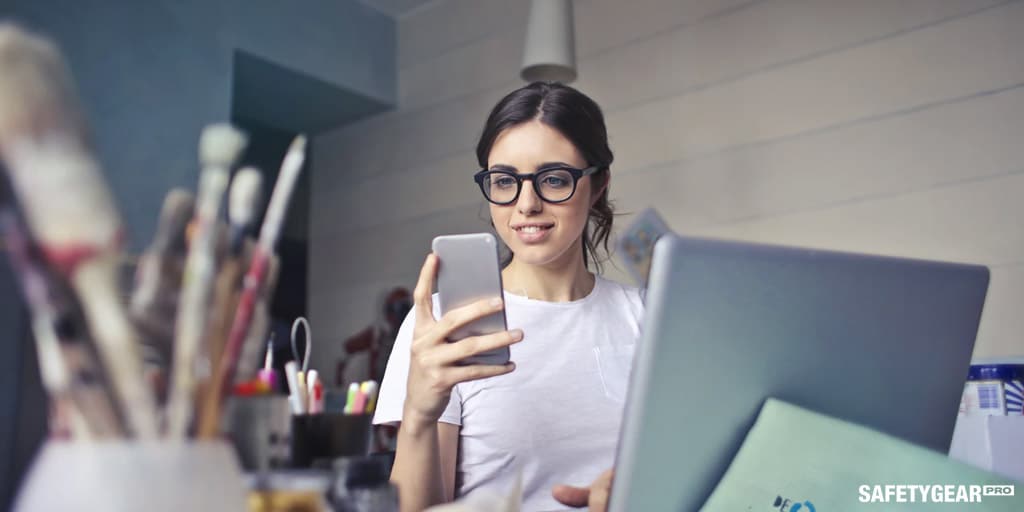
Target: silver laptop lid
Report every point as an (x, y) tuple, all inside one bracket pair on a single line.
[(883, 342)]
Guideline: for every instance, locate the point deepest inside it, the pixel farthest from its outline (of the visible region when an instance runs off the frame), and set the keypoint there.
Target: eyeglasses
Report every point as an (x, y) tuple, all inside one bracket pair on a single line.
[(554, 185)]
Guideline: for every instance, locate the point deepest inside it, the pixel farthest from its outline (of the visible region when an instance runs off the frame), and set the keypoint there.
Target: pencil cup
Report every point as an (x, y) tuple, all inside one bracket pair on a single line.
[(260, 428), (318, 439), (133, 475)]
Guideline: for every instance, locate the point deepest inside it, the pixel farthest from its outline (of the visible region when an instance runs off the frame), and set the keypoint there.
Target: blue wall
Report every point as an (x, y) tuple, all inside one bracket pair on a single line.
[(152, 73)]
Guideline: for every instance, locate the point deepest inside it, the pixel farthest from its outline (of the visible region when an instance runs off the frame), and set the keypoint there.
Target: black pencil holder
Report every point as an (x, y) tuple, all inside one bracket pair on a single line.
[(318, 439)]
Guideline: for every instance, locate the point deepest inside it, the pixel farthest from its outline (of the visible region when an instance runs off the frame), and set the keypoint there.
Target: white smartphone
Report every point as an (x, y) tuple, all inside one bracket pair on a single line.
[(468, 271)]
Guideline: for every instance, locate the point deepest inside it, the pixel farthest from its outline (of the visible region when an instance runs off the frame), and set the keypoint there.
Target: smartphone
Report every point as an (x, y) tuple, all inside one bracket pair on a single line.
[(467, 272)]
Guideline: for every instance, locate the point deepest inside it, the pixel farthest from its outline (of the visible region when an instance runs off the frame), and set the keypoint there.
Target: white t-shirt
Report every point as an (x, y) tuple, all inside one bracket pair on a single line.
[(556, 417)]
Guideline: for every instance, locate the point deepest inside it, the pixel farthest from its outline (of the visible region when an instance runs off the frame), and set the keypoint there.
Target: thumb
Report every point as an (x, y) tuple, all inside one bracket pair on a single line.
[(571, 496), (423, 304)]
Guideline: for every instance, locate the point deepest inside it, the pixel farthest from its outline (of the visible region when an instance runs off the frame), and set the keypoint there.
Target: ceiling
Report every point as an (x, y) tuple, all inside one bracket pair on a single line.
[(395, 8)]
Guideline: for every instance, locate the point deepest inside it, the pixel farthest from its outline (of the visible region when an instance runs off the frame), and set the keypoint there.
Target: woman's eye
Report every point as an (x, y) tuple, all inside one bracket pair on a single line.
[(555, 181), (504, 182)]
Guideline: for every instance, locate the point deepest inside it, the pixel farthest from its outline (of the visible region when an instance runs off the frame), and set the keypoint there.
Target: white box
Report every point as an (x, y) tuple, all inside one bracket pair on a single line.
[(129, 476), (992, 443)]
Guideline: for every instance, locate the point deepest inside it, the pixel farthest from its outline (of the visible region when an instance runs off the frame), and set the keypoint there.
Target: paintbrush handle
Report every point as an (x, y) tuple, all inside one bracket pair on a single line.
[(94, 281), (226, 302), (273, 221), (251, 286), (200, 272), (226, 297)]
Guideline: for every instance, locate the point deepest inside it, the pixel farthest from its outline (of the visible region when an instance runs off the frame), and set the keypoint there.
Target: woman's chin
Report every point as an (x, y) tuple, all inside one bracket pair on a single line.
[(536, 255)]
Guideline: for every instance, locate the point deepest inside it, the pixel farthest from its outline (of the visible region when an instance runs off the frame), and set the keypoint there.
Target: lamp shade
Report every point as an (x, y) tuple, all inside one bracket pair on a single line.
[(550, 50)]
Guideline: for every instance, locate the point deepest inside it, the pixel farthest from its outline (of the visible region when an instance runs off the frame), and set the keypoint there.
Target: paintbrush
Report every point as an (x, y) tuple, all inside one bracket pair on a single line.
[(242, 203), (247, 367), (242, 200), (67, 205), (263, 255), (68, 363), (154, 301), (219, 146)]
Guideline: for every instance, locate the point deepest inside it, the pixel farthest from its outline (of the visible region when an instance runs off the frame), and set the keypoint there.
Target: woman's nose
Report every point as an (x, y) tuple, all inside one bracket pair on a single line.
[(528, 201)]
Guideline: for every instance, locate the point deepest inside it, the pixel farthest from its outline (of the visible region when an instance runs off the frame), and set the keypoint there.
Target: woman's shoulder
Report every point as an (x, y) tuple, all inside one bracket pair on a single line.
[(623, 288), (626, 295)]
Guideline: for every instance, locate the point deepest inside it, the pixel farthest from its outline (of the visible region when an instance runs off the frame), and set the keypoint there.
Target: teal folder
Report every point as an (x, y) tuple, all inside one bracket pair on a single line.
[(796, 460)]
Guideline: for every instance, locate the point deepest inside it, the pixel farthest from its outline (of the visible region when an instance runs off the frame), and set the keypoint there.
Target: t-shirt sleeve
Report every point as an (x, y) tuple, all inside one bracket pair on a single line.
[(391, 399), (634, 305)]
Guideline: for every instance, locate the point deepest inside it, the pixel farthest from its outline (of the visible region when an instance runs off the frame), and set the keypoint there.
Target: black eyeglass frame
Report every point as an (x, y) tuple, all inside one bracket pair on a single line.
[(576, 174)]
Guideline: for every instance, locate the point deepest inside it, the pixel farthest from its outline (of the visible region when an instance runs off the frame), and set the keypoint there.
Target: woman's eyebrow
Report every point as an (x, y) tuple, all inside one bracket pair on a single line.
[(541, 167), (550, 165)]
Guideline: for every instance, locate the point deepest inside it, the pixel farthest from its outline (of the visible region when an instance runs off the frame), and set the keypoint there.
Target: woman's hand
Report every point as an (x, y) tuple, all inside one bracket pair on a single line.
[(433, 371), (595, 497)]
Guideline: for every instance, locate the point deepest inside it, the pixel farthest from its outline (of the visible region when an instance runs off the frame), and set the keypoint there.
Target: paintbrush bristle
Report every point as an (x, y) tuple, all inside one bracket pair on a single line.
[(43, 145), (36, 91), (243, 196), (220, 145)]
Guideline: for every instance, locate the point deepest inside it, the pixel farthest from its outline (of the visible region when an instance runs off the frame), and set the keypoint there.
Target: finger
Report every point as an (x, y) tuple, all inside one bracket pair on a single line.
[(461, 316), (457, 374), (598, 501), (571, 496), (459, 350), (600, 490), (423, 304)]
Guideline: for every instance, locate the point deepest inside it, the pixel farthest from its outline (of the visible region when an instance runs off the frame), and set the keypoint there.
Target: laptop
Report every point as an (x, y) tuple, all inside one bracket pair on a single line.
[(882, 342)]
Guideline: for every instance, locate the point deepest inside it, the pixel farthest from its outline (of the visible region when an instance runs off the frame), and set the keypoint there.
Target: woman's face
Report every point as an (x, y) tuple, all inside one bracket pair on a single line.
[(538, 232)]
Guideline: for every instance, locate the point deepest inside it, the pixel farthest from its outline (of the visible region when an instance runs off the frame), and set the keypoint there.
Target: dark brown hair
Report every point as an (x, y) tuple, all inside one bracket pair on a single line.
[(579, 119)]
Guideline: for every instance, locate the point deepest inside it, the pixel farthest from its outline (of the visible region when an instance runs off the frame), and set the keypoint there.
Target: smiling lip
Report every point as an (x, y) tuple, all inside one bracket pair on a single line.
[(532, 233)]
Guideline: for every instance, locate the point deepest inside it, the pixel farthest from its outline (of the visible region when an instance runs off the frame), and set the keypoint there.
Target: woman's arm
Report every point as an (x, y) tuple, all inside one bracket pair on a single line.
[(425, 457), (448, 444), (425, 460)]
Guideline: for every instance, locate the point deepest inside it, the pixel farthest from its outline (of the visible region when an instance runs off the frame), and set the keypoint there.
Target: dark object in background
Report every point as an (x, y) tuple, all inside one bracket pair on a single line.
[(361, 484), (22, 400), (319, 439), (376, 340)]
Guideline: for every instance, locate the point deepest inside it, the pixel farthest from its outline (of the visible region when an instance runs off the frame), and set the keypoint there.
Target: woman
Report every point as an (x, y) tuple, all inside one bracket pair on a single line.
[(553, 415)]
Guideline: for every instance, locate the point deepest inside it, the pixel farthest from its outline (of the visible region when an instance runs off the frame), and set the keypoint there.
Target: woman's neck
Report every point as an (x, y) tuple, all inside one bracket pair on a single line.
[(563, 281)]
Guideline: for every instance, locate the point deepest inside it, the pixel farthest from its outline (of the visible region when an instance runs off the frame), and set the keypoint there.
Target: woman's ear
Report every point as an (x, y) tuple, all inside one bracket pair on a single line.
[(596, 195)]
